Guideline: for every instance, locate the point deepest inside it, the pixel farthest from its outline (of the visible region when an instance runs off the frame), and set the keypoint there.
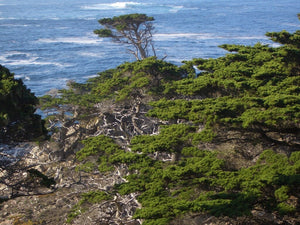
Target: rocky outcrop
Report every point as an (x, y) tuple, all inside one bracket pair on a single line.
[(56, 159)]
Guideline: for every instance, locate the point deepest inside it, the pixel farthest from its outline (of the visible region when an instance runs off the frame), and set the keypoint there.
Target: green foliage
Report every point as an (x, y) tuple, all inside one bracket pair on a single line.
[(102, 147), (281, 194), (276, 111), (198, 182), (129, 81), (255, 86), (285, 208), (285, 37), (97, 145), (88, 198), (17, 109), (94, 197), (252, 88), (171, 139)]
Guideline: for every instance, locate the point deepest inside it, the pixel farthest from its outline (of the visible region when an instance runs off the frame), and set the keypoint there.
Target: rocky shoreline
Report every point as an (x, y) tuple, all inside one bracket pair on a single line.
[(56, 159)]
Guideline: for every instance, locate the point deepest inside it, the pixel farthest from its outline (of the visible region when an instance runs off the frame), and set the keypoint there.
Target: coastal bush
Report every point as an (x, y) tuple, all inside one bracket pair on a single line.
[(199, 182), (18, 104), (129, 81), (252, 88), (101, 147)]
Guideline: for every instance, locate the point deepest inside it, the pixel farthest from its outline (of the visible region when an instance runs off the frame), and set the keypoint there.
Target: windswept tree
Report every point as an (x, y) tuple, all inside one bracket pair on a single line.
[(134, 30)]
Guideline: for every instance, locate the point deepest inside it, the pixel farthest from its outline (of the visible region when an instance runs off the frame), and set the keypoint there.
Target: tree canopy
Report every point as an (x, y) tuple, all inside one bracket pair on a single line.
[(133, 29)]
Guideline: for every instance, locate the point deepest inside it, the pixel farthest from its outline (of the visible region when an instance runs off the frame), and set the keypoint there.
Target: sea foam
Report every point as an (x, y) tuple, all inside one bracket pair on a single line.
[(16, 58), (158, 8), (108, 6), (202, 36), (92, 54), (70, 40)]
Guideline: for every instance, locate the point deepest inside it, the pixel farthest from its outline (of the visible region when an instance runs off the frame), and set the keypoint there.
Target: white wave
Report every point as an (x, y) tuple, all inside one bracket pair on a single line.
[(162, 37), (54, 18), (11, 53), (16, 58), (71, 40), (24, 77), (13, 56), (8, 18), (249, 37), (14, 25), (291, 24), (129, 5), (91, 76), (91, 54), (175, 9), (33, 61), (88, 18), (203, 36), (107, 6), (19, 76)]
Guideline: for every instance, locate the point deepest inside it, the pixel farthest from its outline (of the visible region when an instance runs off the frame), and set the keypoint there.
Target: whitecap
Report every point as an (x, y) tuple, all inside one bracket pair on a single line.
[(291, 24), (33, 61), (88, 18), (16, 58), (91, 76), (23, 77), (91, 54), (168, 36), (15, 53), (249, 37), (18, 76), (175, 9), (8, 18), (202, 36), (14, 25), (71, 40), (109, 6)]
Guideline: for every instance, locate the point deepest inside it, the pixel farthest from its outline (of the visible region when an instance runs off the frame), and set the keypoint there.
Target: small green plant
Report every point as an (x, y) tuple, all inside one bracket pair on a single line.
[(285, 208), (88, 198)]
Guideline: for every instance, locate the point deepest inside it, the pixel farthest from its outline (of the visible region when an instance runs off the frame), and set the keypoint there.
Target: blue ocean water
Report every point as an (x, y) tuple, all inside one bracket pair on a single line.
[(47, 43)]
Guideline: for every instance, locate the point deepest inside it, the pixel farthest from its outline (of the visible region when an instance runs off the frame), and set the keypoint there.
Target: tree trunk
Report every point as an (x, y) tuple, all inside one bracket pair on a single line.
[(142, 52)]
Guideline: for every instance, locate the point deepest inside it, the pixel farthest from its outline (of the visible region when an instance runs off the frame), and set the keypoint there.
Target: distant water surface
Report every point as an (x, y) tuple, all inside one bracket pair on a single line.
[(47, 43)]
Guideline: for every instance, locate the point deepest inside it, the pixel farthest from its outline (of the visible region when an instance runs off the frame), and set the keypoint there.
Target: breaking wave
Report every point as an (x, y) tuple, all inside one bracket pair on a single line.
[(71, 40), (108, 6), (15, 58), (157, 8), (202, 36)]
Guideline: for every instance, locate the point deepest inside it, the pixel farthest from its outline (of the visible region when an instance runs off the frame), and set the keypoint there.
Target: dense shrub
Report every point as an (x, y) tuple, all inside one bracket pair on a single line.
[(252, 88), (17, 118)]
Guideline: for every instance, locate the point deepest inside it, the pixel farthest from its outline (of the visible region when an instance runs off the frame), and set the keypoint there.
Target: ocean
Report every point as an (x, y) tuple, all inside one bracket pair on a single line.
[(48, 43)]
